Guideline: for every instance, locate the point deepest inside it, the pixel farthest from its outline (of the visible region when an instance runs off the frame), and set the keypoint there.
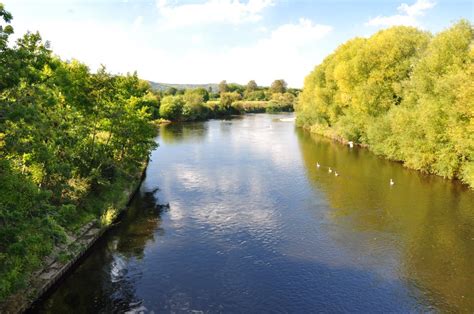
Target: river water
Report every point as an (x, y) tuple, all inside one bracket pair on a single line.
[(254, 226)]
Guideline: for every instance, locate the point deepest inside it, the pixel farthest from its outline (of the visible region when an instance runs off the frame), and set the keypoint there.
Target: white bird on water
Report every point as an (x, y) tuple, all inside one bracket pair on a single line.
[(318, 165), (351, 144), (330, 170), (336, 174), (392, 182)]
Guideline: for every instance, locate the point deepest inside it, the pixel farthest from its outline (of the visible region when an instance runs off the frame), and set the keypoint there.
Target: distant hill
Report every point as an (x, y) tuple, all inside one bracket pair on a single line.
[(165, 86)]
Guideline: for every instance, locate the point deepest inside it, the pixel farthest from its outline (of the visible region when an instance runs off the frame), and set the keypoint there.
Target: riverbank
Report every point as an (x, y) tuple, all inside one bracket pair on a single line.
[(214, 111), (332, 135), (65, 256), (410, 101)]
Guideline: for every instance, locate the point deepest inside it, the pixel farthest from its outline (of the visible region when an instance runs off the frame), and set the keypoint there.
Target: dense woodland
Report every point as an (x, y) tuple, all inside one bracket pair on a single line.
[(406, 94)]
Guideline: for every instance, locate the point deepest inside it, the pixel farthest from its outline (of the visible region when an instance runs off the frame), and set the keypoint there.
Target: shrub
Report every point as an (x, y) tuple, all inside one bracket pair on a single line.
[(171, 107)]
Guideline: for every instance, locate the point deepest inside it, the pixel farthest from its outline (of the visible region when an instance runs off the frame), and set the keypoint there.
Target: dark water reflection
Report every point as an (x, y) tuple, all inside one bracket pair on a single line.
[(254, 226)]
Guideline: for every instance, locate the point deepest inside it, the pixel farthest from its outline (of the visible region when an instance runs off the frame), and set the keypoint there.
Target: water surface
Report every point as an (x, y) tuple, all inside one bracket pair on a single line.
[(255, 226)]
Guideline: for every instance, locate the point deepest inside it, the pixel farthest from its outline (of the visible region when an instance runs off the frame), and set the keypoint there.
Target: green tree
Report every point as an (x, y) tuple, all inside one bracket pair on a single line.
[(171, 107), (193, 108), (227, 99), (251, 86), (70, 141), (402, 92), (278, 86), (223, 88), (255, 95), (203, 92), (171, 91)]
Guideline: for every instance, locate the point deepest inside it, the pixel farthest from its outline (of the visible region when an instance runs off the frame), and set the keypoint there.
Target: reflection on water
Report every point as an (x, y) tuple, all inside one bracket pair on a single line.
[(179, 133), (255, 226), (428, 220)]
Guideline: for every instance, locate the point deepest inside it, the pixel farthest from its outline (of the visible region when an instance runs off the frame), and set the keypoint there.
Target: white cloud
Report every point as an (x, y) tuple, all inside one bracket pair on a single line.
[(417, 8), (210, 12), (197, 39), (393, 20), (137, 23), (298, 34), (408, 15), (117, 45), (288, 51)]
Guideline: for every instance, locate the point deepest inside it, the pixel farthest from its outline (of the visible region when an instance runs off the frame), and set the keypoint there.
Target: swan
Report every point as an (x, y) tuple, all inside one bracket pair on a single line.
[(392, 182), (336, 174), (351, 144), (318, 165), (330, 170)]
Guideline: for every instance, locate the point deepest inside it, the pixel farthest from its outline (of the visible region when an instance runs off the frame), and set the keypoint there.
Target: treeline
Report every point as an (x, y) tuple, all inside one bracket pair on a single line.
[(198, 104), (406, 94), (71, 141)]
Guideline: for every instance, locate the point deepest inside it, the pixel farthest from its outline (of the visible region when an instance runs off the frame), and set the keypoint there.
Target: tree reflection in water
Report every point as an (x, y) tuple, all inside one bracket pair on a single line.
[(424, 221)]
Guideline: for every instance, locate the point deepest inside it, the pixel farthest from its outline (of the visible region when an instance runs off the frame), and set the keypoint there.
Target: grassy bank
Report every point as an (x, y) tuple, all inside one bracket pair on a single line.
[(41, 269)]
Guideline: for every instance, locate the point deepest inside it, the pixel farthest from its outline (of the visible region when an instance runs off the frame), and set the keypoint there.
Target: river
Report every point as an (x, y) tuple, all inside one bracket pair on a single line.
[(254, 226)]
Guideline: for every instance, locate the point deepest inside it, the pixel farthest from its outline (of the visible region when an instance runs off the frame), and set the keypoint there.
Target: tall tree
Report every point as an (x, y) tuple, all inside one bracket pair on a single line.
[(278, 86), (223, 87), (251, 86)]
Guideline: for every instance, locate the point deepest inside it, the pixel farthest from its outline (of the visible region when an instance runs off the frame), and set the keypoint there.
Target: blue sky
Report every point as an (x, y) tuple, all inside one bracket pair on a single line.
[(205, 41)]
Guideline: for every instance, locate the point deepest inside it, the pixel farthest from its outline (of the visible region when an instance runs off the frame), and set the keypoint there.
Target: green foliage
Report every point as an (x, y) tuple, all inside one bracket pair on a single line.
[(203, 92), (66, 137), (251, 87), (404, 93), (249, 106), (255, 95), (193, 108), (28, 228), (235, 88), (284, 100), (171, 107), (198, 103), (223, 88), (171, 91), (227, 99), (278, 86)]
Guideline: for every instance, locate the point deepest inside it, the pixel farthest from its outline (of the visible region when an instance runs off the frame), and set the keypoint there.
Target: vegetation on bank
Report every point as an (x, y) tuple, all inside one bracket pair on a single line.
[(71, 141), (200, 104), (406, 94)]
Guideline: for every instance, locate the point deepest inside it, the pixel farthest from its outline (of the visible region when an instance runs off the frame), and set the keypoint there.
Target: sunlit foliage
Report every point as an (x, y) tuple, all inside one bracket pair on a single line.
[(404, 93), (67, 136)]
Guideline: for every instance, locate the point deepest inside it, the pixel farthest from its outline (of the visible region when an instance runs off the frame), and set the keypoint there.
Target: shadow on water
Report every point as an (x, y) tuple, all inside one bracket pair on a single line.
[(104, 282), (430, 220)]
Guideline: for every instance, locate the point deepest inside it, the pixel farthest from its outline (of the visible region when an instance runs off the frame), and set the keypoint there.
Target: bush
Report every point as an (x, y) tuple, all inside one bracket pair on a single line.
[(255, 95), (227, 99), (193, 108), (171, 107), (246, 106)]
